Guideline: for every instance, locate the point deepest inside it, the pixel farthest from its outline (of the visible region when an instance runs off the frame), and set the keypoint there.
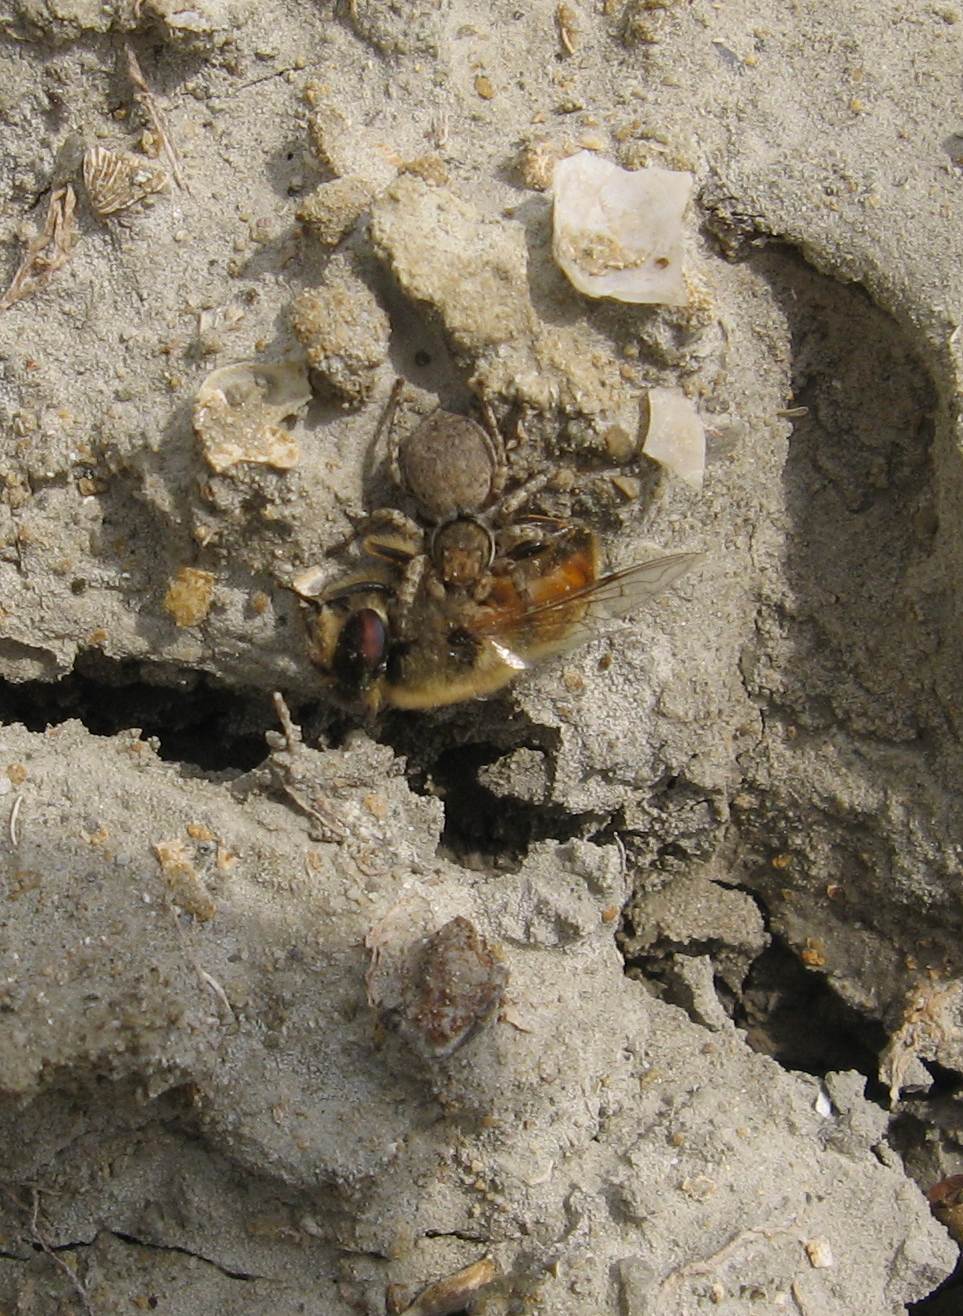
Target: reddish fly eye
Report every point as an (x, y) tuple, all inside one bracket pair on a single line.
[(361, 649)]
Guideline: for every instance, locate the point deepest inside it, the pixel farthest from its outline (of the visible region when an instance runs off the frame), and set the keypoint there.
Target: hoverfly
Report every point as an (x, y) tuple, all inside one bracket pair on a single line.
[(454, 646)]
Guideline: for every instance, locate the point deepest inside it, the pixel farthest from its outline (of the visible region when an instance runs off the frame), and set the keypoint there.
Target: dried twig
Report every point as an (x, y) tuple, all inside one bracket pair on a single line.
[(206, 978), (707, 1265), (292, 733), (215, 987), (48, 251), (37, 1236), (438, 132), (15, 821), (332, 828), (145, 99), (567, 23), (454, 1292), (37, 1233)]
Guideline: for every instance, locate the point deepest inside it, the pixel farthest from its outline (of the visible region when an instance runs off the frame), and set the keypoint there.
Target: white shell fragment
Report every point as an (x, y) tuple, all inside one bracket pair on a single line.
[(618, 232), (820, 1253), (238, 410), (310, 583), (116, 181), (675, 436)]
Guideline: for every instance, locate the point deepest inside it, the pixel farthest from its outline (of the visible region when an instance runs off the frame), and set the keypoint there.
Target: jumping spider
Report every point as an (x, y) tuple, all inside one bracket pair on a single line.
[(454, 470)]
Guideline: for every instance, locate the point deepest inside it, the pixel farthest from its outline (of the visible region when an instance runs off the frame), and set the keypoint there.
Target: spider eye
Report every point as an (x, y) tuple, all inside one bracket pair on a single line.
[(359, 655)]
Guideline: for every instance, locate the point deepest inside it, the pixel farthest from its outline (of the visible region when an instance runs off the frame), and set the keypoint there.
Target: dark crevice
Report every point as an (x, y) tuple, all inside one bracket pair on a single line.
[(195, 719), (946, 1083), (928, 1161), (447, 754), (793, 1015), (483, 1240), (185, 1251), (483, 826), (786, 1011), (213, 727)]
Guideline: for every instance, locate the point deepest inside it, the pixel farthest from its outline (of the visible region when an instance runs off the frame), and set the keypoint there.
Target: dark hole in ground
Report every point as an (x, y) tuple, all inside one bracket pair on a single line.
[(947, 1300), (199, 721), (482, 827), (791, 1013), (911, 1134)]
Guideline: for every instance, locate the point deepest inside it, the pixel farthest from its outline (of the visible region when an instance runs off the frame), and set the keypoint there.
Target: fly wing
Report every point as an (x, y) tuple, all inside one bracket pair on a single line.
[(629, 590), (567, 620)]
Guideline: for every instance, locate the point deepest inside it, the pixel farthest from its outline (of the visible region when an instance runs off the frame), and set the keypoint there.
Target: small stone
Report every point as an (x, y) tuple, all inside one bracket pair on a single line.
[(431, 168), (334, 208), (189, 596), (327, 133), (536, 162), (345, 335), (819, 1252)]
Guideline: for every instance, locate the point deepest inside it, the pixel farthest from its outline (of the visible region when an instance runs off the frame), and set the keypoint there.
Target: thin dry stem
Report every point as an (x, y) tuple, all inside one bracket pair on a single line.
[(15, 821), (37, 1236), (145, 99)]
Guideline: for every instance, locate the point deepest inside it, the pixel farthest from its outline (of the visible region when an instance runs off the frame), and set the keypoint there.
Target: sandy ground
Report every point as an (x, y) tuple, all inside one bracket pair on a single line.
[(708, 863)]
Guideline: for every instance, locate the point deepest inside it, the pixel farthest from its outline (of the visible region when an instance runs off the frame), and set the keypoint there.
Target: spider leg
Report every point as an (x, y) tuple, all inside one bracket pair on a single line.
[(512, 537), (499, 458), (404, 549), (405, 527), (411, 581), (387, 425), (506, 508)]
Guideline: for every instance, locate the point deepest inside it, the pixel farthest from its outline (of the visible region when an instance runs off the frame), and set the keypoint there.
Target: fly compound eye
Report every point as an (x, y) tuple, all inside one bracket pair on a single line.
[(360, 653)]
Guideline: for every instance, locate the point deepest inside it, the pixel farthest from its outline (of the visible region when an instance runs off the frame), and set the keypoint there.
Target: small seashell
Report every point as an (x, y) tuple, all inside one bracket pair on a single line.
[(675, 436), (618, 233), (116, 181), (237, 413)]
